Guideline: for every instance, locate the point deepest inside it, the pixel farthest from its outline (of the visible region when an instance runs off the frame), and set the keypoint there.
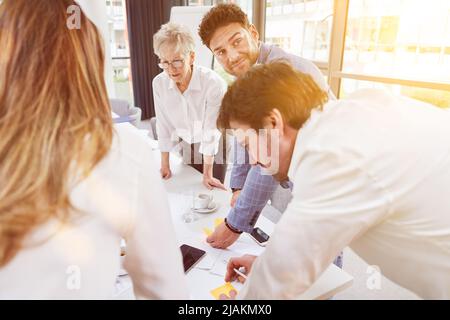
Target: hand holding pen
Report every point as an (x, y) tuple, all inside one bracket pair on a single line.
[(239, 268)]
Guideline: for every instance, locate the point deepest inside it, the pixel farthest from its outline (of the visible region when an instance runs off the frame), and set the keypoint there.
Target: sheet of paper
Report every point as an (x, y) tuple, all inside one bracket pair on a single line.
[(225, 289), (246, 246), (220, 265)]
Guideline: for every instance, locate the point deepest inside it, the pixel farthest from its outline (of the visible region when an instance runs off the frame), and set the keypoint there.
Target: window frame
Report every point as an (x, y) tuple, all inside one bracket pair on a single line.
[(333, 69)]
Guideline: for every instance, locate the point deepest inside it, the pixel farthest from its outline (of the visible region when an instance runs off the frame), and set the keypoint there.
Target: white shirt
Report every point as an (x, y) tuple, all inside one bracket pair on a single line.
[(123, 197), (191, 115), (372, 172)]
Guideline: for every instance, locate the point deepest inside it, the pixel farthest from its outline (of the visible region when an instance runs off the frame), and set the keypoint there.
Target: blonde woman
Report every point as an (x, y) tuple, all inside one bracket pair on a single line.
[(70, 186), (187, 99)]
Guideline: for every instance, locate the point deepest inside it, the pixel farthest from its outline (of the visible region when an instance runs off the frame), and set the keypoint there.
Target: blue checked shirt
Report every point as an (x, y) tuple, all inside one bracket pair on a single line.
[(257, 188)]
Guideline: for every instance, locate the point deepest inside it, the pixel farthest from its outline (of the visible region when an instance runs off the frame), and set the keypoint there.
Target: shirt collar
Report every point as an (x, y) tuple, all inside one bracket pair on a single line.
[(194, 84), (264, 51), (303, 135), (294, 160)]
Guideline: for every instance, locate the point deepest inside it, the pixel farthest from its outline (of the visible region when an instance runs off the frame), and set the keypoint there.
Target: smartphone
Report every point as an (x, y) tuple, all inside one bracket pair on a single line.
[(191, 256), (259, 236)]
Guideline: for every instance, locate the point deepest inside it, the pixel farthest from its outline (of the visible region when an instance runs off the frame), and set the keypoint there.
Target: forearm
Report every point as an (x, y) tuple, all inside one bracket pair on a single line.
[(165, 160), (256, 191), (241, 167), (239, 175), (208, 164)]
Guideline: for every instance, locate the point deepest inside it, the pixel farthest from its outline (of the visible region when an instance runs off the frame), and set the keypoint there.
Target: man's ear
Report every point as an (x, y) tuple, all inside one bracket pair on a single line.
[(192, 57), (254, 32), (276, 120)]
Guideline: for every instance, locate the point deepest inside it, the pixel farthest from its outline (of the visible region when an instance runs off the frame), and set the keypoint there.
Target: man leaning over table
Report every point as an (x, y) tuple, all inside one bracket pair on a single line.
[(227, 32), (371, 171)]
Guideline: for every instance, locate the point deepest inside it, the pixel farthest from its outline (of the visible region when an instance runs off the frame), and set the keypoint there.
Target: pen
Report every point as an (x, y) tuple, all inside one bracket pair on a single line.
[(240, 273)]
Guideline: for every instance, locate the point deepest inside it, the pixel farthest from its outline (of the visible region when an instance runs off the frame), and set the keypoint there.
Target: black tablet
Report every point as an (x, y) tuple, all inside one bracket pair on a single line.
[(191, 256)]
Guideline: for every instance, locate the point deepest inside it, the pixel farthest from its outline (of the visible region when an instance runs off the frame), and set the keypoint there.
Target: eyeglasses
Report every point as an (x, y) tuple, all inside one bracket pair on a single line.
[(175, 63)]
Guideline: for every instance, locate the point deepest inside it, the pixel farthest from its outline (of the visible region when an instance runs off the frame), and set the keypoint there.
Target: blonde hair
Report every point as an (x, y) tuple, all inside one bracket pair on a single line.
[(55, 118), (176, 35)]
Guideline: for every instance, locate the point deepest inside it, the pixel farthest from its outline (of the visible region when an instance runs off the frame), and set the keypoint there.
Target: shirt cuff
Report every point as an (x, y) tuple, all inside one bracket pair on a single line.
[(209, 145), (208, 148), (166, 145), (242, 223)]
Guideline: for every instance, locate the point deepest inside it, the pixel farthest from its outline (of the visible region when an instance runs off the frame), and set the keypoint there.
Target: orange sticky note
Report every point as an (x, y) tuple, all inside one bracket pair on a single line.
[(225, 289), (207, 231), (218, 222)]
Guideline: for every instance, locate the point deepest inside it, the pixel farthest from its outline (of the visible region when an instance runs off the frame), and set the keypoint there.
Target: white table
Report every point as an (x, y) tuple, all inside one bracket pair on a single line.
[(201, 279)]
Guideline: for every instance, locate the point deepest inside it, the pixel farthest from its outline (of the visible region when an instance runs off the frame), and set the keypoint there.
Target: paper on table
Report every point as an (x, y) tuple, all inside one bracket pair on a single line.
[(220, 265), (241, 247), (246, 246)]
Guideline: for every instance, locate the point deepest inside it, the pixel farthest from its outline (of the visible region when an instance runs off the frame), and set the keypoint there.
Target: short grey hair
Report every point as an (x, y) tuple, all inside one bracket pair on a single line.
[(176, 35)]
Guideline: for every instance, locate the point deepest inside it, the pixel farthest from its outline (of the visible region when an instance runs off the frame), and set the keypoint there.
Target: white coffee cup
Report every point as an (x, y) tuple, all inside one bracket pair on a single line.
[(202, 201)]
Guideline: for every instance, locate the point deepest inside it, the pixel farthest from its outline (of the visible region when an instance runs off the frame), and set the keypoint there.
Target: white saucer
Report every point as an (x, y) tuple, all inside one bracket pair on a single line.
[(213, 207)]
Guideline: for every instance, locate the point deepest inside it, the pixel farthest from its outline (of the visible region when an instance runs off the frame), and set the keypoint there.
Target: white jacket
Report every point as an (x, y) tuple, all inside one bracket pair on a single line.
[(371, 172)]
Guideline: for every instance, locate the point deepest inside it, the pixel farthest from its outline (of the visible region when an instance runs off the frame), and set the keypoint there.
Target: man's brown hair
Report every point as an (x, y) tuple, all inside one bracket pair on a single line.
[(219, 16), (251, 98)]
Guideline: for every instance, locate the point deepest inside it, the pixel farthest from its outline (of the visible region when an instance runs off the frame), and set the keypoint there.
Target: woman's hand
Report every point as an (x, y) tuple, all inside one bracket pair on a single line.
[(208, 180), (166, 173), (165, 166), (211, 183)]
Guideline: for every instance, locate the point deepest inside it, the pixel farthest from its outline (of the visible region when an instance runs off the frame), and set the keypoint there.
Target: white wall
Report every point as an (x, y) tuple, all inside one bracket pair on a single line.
[(191, 18), (96, 11)]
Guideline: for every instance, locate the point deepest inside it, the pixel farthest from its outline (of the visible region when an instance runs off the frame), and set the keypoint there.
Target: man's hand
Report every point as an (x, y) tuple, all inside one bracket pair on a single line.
[(244, 262), (222, 237), (211, 183), (234, 198), (166, 173)]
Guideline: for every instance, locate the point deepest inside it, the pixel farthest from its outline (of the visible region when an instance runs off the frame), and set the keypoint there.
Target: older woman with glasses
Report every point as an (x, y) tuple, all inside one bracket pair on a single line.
[(187, 99)]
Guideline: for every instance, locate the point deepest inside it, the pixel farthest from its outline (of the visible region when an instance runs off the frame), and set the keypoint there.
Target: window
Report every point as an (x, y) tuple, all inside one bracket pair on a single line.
[(246, 5), (437, 97), (120, 50), (400, 45), (404, 43), (302, 27)]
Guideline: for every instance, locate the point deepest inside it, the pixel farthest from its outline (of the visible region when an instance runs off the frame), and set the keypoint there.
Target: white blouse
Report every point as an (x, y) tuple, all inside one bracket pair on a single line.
[(191, 115), (123, 197), (372, 172)]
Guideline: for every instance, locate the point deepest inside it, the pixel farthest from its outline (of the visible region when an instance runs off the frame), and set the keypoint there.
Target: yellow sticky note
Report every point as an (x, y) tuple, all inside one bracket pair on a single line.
[(218, 222), (225, 289), (207, 231)]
